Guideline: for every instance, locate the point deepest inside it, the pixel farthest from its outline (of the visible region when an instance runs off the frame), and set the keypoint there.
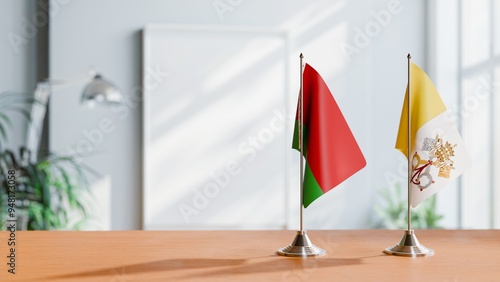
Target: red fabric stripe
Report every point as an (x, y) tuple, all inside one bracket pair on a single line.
[(332, 152)]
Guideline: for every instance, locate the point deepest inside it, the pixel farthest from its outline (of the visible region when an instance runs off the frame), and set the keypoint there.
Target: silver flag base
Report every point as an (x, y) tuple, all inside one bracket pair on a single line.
[(301, 247), (409, 247)]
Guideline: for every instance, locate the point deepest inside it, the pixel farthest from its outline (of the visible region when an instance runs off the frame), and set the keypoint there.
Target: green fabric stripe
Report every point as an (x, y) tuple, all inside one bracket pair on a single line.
[(312, 191), (295, 141)]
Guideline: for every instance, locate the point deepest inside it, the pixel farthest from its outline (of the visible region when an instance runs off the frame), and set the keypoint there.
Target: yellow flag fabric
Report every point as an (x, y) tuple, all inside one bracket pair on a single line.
[(437, 152), (426, 104)]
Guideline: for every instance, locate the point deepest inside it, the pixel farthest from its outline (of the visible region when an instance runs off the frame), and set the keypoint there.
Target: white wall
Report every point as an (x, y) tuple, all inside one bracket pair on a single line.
[(18, 57), (443, 68), (466, 87), (368, 86)]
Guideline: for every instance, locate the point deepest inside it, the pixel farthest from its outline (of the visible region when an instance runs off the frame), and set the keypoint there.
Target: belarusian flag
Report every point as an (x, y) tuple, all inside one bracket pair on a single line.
[(330, 149), (437, 151)]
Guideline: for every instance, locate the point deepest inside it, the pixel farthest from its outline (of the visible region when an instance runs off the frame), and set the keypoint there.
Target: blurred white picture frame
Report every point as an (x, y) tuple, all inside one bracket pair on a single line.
[(216, 127)]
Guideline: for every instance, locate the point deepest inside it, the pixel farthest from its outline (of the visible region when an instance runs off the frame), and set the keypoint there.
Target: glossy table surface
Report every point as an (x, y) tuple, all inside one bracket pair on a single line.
[(353, 255)]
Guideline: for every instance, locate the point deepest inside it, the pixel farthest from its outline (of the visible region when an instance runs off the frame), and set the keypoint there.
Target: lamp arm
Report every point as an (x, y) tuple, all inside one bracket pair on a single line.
[(45, 88), (72, 81), (38, 111)]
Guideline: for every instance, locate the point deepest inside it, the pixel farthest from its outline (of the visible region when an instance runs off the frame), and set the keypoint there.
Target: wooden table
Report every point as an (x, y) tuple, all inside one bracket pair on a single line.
[(465, 255)]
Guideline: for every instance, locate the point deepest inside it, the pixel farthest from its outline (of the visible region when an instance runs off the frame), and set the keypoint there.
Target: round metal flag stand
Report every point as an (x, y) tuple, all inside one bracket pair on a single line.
[(409, 247), (301, 247)]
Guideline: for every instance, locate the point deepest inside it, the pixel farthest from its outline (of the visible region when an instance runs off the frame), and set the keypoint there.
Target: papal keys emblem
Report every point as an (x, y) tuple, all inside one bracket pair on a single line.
[(439, 157)]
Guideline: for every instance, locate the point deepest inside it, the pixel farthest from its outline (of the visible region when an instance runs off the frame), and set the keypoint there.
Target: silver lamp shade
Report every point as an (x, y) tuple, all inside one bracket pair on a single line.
[(102, 91)]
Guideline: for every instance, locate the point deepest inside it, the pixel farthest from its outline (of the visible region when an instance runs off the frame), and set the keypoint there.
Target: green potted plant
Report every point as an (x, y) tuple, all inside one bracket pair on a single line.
[(50, 193), (392, 212)]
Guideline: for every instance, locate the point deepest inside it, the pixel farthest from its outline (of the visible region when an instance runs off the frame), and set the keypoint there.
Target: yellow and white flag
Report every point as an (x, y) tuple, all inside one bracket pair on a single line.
[(437, 151)]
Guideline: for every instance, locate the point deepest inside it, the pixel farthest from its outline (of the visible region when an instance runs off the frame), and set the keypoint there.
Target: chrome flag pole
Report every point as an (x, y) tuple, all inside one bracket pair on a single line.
[(301, 245), (409, 245)]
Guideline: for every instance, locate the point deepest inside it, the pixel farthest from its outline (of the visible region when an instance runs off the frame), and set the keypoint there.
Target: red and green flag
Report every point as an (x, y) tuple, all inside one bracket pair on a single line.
[(331, 152)]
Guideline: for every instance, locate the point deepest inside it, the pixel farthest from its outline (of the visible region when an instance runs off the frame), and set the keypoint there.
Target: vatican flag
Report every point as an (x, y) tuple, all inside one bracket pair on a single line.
[(437, 151)]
